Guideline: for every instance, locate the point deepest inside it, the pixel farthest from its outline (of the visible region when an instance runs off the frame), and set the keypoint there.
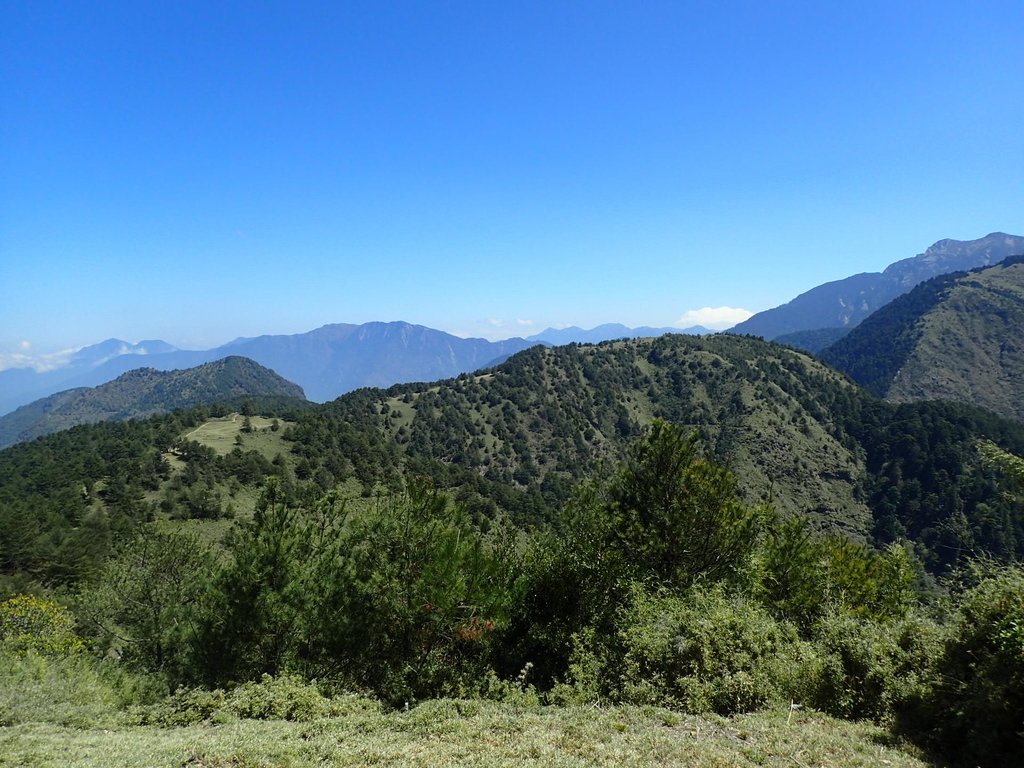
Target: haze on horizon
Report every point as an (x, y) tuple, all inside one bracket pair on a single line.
[(196, 173)]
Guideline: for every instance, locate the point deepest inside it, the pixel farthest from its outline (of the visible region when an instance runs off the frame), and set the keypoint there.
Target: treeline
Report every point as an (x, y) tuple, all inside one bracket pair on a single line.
[(656, 584)]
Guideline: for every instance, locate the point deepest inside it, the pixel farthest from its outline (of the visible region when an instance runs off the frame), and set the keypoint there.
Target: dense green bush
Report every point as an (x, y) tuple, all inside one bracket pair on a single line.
[(667, 518), (705, 650), (403, 600), (676, 516), (411, 603), (803, 575), (143, 604), (38, 625), (973, 713), (871, 669)]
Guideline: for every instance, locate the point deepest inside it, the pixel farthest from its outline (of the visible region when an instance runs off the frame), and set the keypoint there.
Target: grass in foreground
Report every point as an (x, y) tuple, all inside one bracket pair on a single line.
[(470, 733)]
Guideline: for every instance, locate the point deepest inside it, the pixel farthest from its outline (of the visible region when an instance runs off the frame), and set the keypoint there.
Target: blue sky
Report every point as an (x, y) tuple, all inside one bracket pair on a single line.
[(200, 171)]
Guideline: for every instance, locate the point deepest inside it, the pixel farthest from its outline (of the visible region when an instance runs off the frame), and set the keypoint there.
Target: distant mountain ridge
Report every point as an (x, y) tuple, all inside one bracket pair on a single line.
[(335, 359), (957, 337), (145, 392), (326, 362), (845, 303)]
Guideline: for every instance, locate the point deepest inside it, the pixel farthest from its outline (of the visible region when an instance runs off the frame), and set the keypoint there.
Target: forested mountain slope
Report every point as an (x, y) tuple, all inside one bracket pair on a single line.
[(19, 386), (956, 337), (793, 432), (547, 416), (144, 392)]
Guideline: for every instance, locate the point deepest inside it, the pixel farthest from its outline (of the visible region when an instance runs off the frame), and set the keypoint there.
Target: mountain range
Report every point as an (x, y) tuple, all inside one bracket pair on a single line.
[(820, 316), (145, 391), (338, 358), (325, 362)]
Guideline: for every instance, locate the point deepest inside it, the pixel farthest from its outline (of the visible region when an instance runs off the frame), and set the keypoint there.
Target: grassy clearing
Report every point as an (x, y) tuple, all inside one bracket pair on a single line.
[(221, 434), (470, 733)]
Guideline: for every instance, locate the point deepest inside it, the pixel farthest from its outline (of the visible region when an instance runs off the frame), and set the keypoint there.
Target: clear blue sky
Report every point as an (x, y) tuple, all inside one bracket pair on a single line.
[(200, 171)]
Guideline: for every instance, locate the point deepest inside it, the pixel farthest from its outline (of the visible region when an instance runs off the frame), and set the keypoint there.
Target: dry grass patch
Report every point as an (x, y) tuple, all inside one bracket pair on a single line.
[(472, 733)]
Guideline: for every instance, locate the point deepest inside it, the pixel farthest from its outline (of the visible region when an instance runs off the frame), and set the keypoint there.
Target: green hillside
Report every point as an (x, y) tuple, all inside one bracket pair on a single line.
[(952, 338), (548, 417), (520, 437), (144, 392)]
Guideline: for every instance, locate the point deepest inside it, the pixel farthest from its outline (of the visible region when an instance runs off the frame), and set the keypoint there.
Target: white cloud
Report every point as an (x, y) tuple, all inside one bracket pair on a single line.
[(40, 363), (524, 322), (716, 318)]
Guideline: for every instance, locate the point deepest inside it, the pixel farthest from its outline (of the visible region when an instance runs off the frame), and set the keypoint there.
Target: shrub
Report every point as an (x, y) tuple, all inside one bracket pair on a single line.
[(73, 690), (973, 712), (871, 669), (286, 697), (35, 624), (186, 706), (279, 698), (708, 651), (676, 515), (805, 575)]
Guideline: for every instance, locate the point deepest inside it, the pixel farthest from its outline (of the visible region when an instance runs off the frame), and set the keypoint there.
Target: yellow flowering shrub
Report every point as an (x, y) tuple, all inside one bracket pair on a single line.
[(30, 623)]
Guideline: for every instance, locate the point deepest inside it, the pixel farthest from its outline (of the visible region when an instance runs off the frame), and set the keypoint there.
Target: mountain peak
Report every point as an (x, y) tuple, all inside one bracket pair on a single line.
[(146, 391), (845, 303), (950, 255)]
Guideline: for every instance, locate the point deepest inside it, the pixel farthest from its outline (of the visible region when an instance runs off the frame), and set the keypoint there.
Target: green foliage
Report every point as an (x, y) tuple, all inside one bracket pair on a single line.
[(144, 602), (69, 689), (1009, 466), (413, 608), (804, 575), (675, 516), (403, 600), (668, 518), (30, 624), (66, 689), (872, 669), (928, 483), (253, 622), (972, 712), (286, 697), (703, 651)]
